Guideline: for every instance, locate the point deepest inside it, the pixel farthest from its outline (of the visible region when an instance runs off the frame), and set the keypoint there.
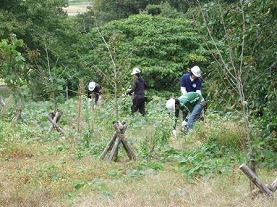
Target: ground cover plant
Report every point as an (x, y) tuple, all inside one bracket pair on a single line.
[(52, 169)]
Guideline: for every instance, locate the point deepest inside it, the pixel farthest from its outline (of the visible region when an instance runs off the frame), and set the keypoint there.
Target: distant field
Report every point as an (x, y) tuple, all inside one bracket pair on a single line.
[(77, 7), (74, 2)]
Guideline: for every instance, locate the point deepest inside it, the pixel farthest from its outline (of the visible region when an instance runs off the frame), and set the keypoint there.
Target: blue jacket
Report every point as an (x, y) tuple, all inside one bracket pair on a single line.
[(191, 86)]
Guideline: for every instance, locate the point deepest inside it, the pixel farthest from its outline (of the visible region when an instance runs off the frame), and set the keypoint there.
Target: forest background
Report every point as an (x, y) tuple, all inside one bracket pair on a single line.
[(48, 58)]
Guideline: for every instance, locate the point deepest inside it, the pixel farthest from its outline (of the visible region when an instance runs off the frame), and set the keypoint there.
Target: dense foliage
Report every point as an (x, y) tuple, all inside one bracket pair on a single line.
[(161, 47), (246, 42)]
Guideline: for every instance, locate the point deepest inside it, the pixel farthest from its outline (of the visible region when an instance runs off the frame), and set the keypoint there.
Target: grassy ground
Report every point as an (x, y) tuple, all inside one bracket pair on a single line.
[(54, 170), (43, 175)]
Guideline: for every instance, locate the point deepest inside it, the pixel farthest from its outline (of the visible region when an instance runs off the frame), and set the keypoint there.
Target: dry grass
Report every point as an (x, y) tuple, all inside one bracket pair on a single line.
[(37, 175), (51, 173), (169, 189)]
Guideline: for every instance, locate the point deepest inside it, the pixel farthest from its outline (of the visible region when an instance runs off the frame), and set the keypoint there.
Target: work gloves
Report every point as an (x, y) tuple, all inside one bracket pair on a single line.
[(204, 105), (174, 132), (184, 123), (128, 93)]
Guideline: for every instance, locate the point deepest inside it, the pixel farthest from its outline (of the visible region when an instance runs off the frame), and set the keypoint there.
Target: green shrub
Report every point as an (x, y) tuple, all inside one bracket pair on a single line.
[(265, 149), (225, 132)]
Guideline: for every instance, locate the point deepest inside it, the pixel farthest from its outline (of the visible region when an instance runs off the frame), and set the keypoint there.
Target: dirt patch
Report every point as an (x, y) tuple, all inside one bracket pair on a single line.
[(17, 154)]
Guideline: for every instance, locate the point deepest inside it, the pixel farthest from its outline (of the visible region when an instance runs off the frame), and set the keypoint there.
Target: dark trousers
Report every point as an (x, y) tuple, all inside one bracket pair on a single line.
[(200, 117), (185, 114), (138, 104)]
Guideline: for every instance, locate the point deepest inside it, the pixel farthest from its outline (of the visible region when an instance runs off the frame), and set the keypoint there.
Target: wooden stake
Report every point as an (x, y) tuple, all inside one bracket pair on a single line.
[(272, 187), (263, 188), (2, 102), (115, 141), (54, 118), (108, 147)]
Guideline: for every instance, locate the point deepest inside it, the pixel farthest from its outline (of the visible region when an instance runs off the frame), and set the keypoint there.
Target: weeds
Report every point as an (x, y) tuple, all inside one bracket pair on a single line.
[(50, 169)]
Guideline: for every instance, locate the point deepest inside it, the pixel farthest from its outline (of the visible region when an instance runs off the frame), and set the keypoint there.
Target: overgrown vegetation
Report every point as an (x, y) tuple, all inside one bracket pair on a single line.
[(47, 58), (48, 168)]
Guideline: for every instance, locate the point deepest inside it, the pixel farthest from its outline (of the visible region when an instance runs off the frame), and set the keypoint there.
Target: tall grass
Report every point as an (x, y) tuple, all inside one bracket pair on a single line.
[(225, 132)]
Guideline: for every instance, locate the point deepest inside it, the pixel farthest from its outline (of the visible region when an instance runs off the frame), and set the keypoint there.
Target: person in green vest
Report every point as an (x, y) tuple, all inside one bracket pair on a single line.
[(192, 102)]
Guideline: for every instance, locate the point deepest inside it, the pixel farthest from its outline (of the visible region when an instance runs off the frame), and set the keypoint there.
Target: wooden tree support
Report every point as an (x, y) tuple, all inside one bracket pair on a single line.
[(2, 102), (18, 115), (54, 118), (115, 141), (267, 189)]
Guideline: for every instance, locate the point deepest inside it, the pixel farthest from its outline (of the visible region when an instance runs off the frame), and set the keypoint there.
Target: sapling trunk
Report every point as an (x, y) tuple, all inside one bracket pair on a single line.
[(233, 71)]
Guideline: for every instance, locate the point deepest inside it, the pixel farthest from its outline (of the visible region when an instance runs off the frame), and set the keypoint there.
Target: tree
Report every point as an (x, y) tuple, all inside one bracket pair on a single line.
[(259, 56), (48, 36), (12, 62), (234, 39), (160, 46), (13, 70)]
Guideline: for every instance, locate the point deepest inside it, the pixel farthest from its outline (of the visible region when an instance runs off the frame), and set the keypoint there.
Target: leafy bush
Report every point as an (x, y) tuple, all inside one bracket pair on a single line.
[(265, 147), (201, 163)]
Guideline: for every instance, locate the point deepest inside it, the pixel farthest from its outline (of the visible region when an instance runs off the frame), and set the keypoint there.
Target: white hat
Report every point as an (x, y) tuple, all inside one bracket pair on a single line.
[(196, 71), (135, 71), (170, 105), (91, 86)]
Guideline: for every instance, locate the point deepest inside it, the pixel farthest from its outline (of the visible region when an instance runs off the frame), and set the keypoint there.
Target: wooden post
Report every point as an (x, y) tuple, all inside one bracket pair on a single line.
[(251, 175), (115, 141), (18, 115), (272, 187), (108, 147), (66, 92), (2, 102), (114, 150)]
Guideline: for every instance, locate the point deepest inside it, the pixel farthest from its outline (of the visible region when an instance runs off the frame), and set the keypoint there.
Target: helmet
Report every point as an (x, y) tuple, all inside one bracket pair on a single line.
[(91, 86), (135, 71), (170, 105), (196, 71)]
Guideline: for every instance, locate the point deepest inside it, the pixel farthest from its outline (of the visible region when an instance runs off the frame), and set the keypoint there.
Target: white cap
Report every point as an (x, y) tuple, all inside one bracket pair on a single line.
[(170, 105), (91, 86), (196, 71), (135, 71)]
